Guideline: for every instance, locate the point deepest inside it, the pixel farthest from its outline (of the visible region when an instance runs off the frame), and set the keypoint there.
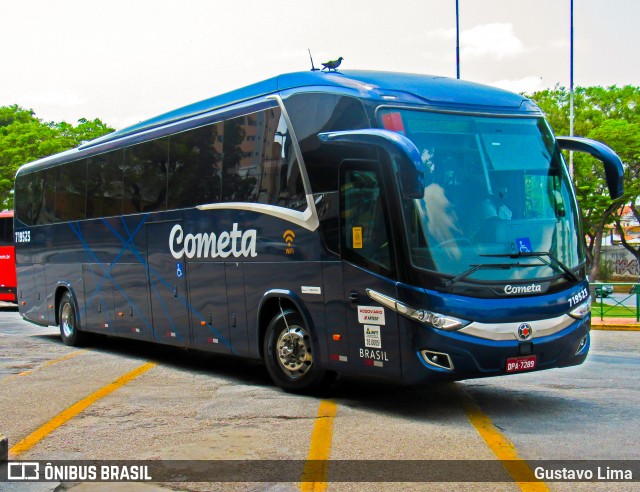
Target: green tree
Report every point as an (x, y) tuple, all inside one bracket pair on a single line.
[(610, 115), (25, 138)]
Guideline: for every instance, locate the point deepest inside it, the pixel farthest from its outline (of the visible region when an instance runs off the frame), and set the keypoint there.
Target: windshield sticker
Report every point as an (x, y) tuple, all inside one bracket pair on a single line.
[(372, 337), (357, 237), (524, 245), (393, 122), (372, 315), (179, 270)]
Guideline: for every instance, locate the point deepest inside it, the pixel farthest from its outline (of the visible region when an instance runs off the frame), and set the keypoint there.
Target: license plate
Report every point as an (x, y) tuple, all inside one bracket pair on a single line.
[(517, 364)]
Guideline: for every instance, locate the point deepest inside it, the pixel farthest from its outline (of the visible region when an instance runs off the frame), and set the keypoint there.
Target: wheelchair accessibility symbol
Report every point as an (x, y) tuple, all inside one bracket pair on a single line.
[(179, 270), (524, 245)]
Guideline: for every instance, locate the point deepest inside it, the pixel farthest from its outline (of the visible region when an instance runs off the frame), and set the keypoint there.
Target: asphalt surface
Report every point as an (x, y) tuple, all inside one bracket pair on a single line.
[(197, 406)]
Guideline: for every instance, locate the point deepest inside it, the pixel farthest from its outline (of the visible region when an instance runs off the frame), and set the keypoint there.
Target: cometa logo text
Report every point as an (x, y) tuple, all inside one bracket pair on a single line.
[(522, 289), (209, 245)]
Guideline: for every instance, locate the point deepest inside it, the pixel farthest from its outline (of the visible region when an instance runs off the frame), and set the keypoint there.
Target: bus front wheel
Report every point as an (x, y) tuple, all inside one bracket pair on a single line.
[(69, 331), (288, 354)]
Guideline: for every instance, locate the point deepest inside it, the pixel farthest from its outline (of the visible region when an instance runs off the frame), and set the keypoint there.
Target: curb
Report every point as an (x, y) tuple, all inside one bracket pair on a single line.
[(4, 448), (615, 327)]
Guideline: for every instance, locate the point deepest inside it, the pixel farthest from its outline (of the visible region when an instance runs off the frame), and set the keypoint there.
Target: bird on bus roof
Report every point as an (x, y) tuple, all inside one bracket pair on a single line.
[(332, 65)]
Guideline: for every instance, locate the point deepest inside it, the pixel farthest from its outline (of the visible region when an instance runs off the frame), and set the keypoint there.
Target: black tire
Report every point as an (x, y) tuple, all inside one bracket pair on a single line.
[(289, 355), (69, 325)]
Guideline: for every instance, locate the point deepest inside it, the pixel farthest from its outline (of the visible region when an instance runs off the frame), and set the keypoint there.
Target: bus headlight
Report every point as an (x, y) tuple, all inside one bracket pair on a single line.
[(581, 310), (436, 320), (443, 322)]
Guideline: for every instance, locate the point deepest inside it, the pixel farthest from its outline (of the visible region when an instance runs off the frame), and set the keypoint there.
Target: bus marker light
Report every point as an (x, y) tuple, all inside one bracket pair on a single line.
[(23, 303), (50, 306), (336, 337), (120, 313), (135, 330), (373, 363), (339, 358), (212, 340), (203, 323)]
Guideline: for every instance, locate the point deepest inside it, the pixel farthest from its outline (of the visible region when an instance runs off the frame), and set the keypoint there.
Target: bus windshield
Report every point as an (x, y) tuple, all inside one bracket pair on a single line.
[(497, 203)]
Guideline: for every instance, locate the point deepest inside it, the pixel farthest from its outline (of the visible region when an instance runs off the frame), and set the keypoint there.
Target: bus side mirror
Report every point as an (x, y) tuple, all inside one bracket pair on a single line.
[(613, 169), (402, 150)]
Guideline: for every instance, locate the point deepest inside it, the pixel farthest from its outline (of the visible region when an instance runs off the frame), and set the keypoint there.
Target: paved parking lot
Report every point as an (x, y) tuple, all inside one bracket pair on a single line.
[(122, 400)]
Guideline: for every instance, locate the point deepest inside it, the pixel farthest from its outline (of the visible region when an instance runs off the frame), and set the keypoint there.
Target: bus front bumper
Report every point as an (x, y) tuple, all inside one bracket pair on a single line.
[(446, 356)]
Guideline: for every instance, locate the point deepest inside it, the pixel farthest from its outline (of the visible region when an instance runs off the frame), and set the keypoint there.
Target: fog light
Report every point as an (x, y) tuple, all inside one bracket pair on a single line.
[(582, 346), (437, 359)]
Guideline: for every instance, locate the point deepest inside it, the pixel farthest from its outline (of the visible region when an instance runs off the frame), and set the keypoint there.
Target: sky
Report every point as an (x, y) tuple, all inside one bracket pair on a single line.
[(124, 61)]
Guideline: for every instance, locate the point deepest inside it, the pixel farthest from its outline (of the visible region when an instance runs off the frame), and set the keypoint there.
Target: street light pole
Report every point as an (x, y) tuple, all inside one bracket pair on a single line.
[(571, 109), (458, 41)]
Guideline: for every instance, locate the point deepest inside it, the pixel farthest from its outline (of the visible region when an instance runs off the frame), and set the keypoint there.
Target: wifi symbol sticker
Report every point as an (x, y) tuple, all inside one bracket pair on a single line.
[(289, 236)]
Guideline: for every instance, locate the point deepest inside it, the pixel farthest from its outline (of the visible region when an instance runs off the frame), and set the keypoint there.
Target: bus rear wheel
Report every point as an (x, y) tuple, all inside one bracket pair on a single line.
[(69, 326), (289, 356)]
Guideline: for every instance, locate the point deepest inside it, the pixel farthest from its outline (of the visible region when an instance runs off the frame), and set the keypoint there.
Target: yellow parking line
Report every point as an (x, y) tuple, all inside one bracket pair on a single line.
[(45, 364), (314, 474), (503, 448), (46, 429)]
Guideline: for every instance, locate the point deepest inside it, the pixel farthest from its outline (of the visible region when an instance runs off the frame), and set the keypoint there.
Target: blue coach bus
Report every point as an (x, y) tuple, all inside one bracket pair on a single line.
[(409, 227)]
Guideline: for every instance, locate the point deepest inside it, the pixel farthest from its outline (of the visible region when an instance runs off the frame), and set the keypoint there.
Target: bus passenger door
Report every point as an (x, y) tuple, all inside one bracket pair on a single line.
[(368, 264), (167, 287)]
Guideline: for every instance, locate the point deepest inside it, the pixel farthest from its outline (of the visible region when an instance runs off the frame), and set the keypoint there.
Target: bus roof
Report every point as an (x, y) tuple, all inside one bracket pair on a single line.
[(371, 84), (428, 90)]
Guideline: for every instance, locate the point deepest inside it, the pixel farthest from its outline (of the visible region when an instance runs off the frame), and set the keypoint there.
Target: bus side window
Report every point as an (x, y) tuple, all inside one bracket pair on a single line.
[(281, 182), (239, 183), (45, 188), (145, 177), (195, 163), (71, 190), (24, 205), (258, 163), (365, 238), (105, 185)]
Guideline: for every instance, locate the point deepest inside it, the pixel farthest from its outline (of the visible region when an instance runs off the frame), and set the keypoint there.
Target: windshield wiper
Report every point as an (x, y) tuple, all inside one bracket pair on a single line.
[(554, 264), (488, 266)]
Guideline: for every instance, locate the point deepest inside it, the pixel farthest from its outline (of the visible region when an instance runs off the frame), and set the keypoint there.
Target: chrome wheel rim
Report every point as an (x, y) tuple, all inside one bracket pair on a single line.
[(293, 351), (66, 320)]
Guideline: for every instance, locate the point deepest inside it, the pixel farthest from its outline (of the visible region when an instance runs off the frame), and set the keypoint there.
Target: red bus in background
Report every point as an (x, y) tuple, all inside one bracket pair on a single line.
[(7, 258)]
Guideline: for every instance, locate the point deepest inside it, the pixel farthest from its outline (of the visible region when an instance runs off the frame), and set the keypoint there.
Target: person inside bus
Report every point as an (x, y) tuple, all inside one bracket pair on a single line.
[(482, 211)]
